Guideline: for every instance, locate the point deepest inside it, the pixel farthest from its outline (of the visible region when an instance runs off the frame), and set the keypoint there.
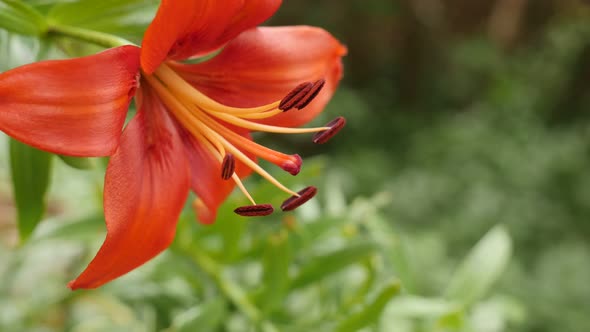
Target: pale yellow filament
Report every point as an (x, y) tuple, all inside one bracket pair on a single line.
[(196, 121), (184, 89), (262, 127)]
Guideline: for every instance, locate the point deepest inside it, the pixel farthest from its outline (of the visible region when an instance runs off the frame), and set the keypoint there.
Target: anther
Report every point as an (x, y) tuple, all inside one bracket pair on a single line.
[(228, 166), (295, 96), (255, 210), (315, 89), (293, 166), (335, 126), (294, 202)]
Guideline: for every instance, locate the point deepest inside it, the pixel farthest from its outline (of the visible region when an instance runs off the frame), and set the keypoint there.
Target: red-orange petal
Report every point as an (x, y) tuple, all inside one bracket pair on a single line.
[(146, 186), (206, 180), (73, 107), (262, 65), (185, 28)]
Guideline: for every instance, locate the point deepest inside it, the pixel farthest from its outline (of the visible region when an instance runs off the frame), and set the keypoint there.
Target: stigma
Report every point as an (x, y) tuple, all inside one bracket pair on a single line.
[(207, 121)]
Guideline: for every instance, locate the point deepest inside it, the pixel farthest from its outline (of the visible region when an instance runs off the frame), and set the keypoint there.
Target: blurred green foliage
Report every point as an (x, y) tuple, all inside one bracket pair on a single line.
[(456, 199)]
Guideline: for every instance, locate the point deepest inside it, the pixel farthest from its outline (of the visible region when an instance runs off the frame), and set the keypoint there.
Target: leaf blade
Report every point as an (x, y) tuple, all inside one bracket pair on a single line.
[(21, 18), (482, 267), (30, 170), (323, 265), (126, 18), (276, 262), (372, 311)]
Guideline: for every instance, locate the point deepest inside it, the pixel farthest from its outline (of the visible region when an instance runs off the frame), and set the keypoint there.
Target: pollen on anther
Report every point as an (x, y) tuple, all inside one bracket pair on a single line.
[(228, 166), (294, 202), (335, 126), (295, 96), (254, 210), (310, 96)]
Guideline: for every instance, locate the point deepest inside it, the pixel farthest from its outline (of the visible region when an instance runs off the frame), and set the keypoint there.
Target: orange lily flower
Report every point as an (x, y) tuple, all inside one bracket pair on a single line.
[(192, 127)]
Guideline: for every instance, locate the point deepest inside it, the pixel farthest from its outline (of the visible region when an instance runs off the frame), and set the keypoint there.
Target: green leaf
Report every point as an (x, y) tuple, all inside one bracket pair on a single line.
[(228, 231), (364, 286), (17, 16), (17, 50), (452, 321), (231, 231), (84, 229), (321, 266), (39, 3), (305, 235), (482, 267), (276, 262), (393, 247), (421, 307), (206, 317), (78, 163), (371, 312), (30, 170), (126, 18)]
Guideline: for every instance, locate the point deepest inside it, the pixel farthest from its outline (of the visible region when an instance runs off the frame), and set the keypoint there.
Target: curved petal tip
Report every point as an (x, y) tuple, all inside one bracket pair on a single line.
[(200, 27), (74, 107), (146, 186), (263, 65)]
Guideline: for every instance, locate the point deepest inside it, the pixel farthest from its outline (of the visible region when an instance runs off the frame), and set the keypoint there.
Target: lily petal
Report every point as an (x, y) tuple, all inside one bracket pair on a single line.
[(146, 186), (73, 107), (206, 179), (262, 65), (200, 27)]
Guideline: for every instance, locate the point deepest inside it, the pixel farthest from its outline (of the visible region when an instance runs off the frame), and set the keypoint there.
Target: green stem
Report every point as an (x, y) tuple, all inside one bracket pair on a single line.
[(230, 289), (90, 36), (31, 14)]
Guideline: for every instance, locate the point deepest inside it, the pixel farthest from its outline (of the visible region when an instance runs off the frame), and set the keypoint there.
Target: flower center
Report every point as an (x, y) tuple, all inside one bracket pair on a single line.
[(204, 118)]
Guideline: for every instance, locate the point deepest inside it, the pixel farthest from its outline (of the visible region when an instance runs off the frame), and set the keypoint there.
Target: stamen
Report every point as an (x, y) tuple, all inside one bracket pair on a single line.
[(208, 120), (335, 126), (259, 115), (255, 210), (175, 82), (243, 189), (294, 201), (217, 154), (238, 121), (315, 89), (295, 96), (199, 126), (286, 162), (256, 168), (228, 166)]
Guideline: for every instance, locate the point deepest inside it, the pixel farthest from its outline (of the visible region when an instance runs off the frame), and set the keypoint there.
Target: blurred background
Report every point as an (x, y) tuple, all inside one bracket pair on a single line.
[(456, 199)]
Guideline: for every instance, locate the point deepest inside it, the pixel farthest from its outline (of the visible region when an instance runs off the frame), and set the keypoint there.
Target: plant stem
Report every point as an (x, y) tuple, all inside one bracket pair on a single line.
[(230, 289), (90, 36)]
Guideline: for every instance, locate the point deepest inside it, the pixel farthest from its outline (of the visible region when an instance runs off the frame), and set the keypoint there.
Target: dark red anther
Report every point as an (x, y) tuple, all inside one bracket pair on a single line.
[(228, 166), (335, 126), (315, 89), (294, 202), (255, 210), (295, 96)]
